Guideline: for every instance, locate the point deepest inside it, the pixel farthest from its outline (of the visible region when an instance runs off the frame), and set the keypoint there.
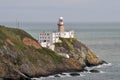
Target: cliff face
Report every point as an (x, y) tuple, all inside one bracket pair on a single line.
[(77, 51), (22, 56)]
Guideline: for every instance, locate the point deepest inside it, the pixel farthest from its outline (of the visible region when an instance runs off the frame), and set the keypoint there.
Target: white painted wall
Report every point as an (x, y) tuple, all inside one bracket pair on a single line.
[(46, 39)]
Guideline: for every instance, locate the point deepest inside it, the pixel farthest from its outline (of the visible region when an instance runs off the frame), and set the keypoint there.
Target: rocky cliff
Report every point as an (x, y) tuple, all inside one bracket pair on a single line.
[(21, 56), (77, 51)]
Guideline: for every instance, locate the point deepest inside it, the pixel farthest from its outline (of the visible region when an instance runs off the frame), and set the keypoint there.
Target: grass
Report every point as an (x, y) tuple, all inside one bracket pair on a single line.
[(13, 31), (32, 59), (15, 35), (57, 58), (18, 60), (21, 33), (66, 43), (1, 42), (2, 37)]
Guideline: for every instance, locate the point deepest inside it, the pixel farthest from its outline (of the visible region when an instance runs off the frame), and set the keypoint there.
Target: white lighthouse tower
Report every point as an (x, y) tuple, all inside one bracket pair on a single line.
[(60, 25)]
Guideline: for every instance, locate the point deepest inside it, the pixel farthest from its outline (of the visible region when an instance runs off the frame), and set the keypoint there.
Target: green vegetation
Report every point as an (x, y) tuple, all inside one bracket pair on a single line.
[(2, 35), (1, 42), (57, 58), (14, 31), (17, 55), (67, 43), (32, 59), (18, 60), (16, 36)]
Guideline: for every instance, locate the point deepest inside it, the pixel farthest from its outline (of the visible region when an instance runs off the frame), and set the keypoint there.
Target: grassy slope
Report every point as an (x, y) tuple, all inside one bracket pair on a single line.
[(16, 36), (67, 43)]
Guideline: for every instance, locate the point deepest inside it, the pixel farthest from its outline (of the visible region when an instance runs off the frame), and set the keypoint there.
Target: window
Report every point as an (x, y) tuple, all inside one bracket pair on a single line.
[(48, 34), (44, 41)]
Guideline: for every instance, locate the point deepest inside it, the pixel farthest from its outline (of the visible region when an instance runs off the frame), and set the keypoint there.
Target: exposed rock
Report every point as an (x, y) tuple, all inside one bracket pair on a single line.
[(94, 71), (9, 42), (74, 74), (30, 42), (78, 51), (57, 76), (21, 56)]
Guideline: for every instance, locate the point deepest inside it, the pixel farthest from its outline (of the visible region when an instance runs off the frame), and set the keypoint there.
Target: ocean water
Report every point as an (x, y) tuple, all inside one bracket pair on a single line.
[(102, 38)]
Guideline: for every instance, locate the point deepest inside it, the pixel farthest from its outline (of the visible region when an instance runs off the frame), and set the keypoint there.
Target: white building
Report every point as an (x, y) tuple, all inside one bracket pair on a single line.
[(47, 39)]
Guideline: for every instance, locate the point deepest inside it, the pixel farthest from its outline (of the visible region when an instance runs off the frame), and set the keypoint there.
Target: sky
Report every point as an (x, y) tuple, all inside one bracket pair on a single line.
[(51, 10)]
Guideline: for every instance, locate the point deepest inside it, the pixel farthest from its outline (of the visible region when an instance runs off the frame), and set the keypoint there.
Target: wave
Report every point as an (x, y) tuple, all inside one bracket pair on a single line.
[(38, 78), (61, 75), (89, 72), (99, 66), (58, 75), (96, 69), (66, 74), (104, 65), (80, 74), (102, 72)]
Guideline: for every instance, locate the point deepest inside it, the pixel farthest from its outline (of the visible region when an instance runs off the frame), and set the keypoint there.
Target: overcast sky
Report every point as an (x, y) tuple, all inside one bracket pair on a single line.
[(50, 10)]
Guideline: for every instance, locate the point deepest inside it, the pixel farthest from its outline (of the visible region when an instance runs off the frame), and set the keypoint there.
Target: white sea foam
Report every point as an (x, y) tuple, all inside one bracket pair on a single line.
[(66, 74), (59, 75), (90, 68), (82, 75), (42, 78), (109, 64), (102, 72), (88, 72), (52, 76), (103, 65), (99, 66)]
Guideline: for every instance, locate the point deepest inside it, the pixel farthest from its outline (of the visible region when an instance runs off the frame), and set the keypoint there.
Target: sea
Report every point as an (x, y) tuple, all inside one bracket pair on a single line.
[(102, 38)]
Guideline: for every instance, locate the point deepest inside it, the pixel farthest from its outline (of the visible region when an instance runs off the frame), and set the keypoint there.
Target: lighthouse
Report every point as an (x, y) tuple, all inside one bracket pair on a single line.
[(60, 25), (48, 39)]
